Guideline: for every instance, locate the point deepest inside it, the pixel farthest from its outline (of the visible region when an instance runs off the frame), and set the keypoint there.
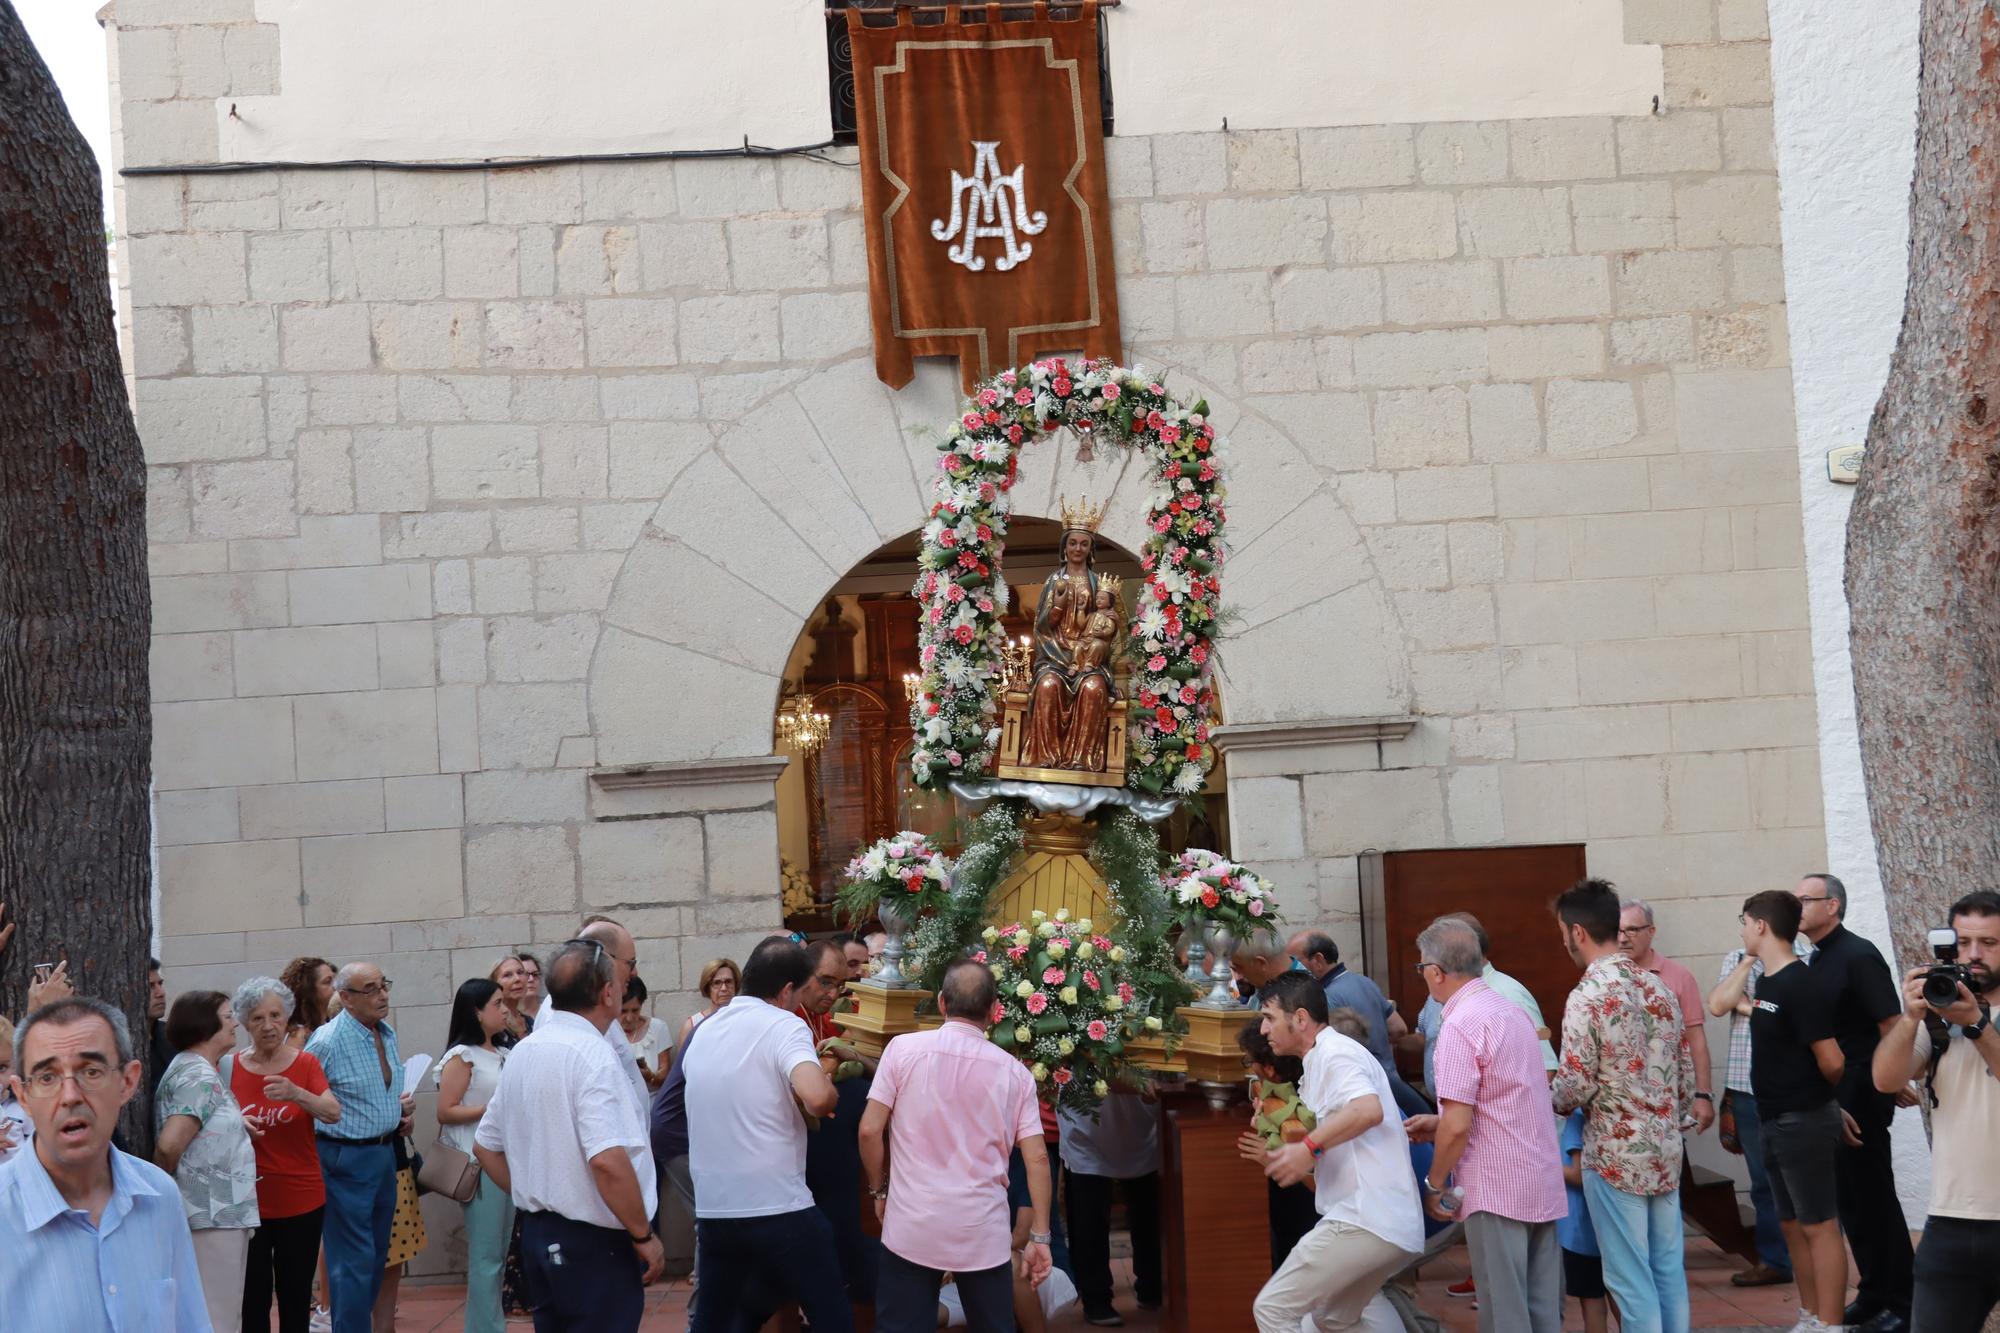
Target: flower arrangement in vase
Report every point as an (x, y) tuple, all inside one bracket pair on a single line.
[(1218, 904), (1065, 1007), (895, 879)]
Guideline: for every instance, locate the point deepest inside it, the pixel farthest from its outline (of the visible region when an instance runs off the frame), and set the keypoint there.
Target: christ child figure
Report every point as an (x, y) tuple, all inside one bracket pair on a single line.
[(1100, 631)]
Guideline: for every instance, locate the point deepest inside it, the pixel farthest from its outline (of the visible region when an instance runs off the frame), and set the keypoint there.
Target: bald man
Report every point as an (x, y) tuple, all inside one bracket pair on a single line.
[(617, 944)]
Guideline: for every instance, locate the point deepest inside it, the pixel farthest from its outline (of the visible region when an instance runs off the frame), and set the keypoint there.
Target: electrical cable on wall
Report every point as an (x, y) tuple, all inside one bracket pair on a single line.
[(811, 151)]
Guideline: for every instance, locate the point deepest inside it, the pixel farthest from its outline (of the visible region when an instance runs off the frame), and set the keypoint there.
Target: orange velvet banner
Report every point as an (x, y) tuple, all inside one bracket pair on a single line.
[(982, 169)]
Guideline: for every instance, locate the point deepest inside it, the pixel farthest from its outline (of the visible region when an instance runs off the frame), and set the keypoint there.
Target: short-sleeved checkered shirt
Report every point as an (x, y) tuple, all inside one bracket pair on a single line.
[(1737, 1077), (345, 1049)]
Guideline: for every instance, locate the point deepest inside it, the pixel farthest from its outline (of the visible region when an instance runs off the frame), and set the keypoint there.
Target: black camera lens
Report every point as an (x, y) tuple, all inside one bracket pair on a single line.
[(1941, 987)]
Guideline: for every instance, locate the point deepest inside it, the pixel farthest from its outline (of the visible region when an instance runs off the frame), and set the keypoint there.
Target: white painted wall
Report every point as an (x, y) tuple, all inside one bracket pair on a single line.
[(487, 78), (1846, 85), (481, 78), (1181, 65)]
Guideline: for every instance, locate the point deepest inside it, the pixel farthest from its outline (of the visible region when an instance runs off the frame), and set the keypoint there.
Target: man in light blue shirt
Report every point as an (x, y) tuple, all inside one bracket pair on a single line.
[(364, 1069), (1315, 951), (92, 1240)]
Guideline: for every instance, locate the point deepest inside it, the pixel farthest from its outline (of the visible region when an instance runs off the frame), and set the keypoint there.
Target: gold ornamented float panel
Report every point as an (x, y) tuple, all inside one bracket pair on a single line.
[(1055, 872)]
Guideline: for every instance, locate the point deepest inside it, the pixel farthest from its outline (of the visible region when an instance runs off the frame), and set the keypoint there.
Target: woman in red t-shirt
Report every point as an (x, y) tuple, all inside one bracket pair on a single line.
[(283, 1092)]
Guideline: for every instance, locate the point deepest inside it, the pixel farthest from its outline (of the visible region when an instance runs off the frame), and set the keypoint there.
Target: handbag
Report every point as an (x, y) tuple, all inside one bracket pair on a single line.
[(446, 1170)]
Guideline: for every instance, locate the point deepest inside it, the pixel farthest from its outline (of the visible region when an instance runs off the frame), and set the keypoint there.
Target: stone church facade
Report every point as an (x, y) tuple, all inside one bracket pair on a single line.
[(486, 507)]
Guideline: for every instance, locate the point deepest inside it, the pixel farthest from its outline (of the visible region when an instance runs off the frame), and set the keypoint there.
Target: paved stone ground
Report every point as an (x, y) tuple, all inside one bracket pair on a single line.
[(1714, 1304)]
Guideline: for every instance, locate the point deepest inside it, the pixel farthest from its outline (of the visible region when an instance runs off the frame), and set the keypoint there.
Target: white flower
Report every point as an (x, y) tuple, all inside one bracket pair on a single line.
[(957, 670), (1191, 887), (1152, 622), (1189, 779), (1023, 1033)]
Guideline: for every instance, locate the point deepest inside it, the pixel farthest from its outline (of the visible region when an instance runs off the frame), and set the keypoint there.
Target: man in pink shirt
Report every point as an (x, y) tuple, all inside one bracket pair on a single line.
[(953, 1106), (1496, 1138), (1636, 933)]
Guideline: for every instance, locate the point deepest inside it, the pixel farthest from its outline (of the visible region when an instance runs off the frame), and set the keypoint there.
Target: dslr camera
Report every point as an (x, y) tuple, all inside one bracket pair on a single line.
[(1942, 981)]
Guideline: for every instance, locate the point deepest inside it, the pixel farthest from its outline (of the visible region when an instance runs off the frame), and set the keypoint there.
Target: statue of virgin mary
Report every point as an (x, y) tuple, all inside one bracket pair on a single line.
[(1077, 623)]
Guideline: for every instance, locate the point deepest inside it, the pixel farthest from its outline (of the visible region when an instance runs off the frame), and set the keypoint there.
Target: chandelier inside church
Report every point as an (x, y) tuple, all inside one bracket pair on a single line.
[(800, 726)]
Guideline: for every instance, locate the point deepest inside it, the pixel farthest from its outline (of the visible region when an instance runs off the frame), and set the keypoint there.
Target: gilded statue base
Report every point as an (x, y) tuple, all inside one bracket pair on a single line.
[(1013, 736), (1055, 873)]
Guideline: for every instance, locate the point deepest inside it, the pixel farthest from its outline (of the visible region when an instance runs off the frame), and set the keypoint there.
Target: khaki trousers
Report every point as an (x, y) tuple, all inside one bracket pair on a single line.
[(1331, 1274), (220, 1256)]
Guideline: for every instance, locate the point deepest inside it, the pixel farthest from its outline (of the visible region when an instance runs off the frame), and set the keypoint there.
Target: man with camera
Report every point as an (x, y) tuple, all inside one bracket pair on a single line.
[(1945, 1034)]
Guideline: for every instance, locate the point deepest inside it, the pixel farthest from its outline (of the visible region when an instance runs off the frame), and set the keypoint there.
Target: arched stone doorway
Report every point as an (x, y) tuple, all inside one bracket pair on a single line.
[(758, 527)]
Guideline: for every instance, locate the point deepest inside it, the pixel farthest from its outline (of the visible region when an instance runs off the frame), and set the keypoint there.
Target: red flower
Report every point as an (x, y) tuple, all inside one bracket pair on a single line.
[(985, 533), (947, 538), (992, 418), (1062, 388), (1163, 718), (1194, 754), (1062, 1077), (1209, 897), (1189, 694), (963, 634), (967, 560), (1199, 653), (1190, 502)]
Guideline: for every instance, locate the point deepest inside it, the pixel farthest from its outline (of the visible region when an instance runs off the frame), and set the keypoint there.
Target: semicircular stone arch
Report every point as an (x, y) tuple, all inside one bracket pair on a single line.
[(757, 525)]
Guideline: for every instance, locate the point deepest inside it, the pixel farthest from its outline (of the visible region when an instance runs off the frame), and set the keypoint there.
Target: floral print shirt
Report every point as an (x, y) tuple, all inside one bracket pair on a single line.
[(1624, 1062)]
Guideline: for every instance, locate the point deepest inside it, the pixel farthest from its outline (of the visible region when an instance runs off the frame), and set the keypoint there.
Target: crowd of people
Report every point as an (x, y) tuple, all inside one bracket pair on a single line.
[(283, 1172)]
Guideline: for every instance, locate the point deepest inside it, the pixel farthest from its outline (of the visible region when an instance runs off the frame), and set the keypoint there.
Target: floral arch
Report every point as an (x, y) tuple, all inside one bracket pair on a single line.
[(963, 541)]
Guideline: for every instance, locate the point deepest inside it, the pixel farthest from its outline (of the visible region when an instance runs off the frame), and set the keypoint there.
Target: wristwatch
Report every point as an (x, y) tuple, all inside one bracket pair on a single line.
[(638, 1240), (1974, 1031), (1705, 1097), (1040, 1237)]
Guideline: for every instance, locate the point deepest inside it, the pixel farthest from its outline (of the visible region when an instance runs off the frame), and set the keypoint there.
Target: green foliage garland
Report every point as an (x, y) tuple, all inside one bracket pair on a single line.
[(953, 931)]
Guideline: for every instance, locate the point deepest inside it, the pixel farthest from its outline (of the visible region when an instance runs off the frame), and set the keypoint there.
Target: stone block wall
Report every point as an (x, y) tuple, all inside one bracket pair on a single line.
[(470, 489)]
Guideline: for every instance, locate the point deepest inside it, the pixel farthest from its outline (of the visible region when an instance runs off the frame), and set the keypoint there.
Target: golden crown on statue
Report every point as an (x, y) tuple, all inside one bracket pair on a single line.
[(1083, 515), (1108, 583)]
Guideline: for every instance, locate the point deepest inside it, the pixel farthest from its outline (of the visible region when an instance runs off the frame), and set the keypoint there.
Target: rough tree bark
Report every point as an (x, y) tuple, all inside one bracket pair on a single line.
[(75, 615), (1923, 541)]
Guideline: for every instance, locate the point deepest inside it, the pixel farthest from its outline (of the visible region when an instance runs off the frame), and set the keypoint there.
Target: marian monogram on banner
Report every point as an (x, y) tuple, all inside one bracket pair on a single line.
[(989, 206), (981, 149)]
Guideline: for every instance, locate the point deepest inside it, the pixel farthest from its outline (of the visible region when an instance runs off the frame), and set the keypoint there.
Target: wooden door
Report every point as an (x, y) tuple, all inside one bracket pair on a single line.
[(1510, 889)]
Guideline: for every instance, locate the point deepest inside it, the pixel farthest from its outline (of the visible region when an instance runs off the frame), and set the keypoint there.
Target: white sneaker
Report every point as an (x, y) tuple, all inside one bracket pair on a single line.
[(322, 1320), (1805, 1323)]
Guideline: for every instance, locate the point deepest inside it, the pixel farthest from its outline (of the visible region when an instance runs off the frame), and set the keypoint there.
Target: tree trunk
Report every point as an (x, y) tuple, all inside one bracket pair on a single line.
[(75, 615), (1923, 541)]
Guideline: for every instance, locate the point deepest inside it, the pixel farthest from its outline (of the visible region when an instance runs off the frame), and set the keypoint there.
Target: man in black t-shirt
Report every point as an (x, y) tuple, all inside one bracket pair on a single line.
[(1866, 1003), (1794, 1064)]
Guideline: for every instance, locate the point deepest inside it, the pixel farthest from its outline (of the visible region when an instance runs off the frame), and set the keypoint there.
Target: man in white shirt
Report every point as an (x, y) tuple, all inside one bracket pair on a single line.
[(751, 1081), (563, 1137), (624, 954), (1370, 1218)]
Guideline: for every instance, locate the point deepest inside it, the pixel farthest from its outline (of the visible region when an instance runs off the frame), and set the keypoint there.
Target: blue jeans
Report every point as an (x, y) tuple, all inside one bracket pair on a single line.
[(1750, 1137), (1640, 1238), (360, 1205)]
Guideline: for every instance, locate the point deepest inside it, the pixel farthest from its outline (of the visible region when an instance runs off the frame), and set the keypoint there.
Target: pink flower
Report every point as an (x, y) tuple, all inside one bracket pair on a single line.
[(963, 634), (1157, 662), (1062, 388), (1190, 502), (1097, 1030), (1188, 694), (999, 1012), (988, 397), (1018, 952), (1125, 991), (1014, 432), (1038, 1002), (1090, 980), (1169, 434), (970, 421), (1163, 522), (1111, 392), (1062, 1077), (954, 758), (954, 593), (1256, 904), (1052, 977), (979, 956), (1024, 397), (948, 538)]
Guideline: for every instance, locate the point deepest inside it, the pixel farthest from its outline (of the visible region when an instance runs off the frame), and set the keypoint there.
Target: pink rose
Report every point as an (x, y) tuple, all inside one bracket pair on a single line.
[(1037, 1003), (1097, 1030), (1256, 907)]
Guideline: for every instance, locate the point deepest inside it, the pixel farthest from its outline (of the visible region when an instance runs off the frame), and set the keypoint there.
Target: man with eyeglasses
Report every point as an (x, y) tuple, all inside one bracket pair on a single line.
[(1636, 933), (624, 953), (90, 1237), (357, 1156), (1866, 1004)]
